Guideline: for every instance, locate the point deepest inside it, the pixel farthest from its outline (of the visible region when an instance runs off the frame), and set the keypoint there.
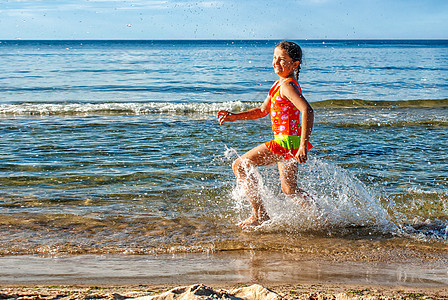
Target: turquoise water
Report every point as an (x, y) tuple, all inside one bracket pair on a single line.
[(114, 147)]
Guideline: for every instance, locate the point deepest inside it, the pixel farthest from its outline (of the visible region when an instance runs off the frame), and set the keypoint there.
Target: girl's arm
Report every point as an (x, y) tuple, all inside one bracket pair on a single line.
[(251, 114), (290, 91)]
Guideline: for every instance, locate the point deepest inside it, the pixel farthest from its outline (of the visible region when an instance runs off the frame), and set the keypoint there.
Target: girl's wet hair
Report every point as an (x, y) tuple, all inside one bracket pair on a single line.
[(295, 52)]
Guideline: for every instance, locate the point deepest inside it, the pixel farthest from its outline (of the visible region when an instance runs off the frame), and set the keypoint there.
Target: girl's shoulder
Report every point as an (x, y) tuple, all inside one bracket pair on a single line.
[(290, 83)]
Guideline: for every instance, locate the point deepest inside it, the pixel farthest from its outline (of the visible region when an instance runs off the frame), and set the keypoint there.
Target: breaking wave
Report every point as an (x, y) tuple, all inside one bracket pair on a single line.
[(139, 108)]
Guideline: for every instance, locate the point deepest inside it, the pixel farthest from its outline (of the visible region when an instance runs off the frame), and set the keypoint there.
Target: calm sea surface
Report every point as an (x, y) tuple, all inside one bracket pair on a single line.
[(113, 146)]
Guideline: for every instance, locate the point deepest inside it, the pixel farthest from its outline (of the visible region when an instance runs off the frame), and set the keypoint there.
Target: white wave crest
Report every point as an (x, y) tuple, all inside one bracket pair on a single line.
[(115, 108)]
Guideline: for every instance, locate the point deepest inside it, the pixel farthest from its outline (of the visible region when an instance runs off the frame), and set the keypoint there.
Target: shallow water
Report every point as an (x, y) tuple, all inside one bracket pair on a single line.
[(113, 147), (111, 184), (240, 267)]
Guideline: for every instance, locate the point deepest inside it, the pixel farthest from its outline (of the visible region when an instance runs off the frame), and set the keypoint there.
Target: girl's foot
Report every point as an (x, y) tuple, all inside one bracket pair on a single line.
[(253, 221), (305, 200)]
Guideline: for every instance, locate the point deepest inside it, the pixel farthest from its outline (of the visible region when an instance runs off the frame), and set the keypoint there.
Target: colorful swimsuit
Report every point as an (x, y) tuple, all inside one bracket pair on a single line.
[(285, 119)]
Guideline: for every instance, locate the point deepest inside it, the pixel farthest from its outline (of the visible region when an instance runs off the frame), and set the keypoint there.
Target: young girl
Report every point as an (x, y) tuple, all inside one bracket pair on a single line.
[(292, 121)]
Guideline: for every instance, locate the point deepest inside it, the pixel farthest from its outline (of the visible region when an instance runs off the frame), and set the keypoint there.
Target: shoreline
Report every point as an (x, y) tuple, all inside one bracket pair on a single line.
[(226, 267), (287, 275)]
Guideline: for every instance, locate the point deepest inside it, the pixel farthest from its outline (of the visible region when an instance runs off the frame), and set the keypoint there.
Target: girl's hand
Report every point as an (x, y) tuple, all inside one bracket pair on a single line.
[(302, 154), (224, 116)]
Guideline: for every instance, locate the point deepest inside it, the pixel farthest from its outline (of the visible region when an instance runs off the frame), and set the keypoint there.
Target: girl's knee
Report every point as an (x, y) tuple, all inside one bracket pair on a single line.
[(236, 167), (239, 167)]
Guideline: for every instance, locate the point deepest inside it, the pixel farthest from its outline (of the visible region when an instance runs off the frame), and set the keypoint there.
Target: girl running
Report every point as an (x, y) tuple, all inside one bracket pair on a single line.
[(292, 122)]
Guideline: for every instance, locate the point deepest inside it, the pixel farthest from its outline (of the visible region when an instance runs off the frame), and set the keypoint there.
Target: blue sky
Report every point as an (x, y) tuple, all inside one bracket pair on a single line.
[(223, 19)]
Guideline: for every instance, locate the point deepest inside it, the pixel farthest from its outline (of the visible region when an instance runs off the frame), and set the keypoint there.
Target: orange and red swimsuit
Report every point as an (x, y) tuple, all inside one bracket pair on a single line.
[(285, 119)]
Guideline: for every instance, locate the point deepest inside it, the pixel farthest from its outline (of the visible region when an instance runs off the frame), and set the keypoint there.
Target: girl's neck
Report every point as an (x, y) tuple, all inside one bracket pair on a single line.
[(282, 79)]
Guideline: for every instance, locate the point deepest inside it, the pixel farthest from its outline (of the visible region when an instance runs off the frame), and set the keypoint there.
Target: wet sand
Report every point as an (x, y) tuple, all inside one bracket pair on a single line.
[(287, 291), (216, 268), (290, 275)]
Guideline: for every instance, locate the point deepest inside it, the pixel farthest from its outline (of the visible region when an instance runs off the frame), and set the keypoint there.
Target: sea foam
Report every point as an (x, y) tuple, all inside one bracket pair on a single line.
[(118, 108), (152, 107)]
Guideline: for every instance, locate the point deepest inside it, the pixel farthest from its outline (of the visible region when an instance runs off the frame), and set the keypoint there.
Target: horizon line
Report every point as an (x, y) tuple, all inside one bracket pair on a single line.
[(226, 39)]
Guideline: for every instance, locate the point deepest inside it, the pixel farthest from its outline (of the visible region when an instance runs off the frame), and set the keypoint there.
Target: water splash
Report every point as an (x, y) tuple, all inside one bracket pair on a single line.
[(345, 200), (344, 205), (341, 200)]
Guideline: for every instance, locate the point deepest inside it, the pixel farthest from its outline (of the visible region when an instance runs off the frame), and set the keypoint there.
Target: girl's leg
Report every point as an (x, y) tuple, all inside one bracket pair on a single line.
[(288, 178), (259, 156)]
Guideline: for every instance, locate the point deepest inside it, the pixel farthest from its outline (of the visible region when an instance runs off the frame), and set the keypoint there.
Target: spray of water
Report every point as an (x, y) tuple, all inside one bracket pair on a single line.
[(341, 200)]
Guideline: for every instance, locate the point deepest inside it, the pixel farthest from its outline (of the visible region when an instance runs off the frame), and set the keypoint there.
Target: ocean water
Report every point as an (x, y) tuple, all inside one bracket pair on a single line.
[(114, 147)]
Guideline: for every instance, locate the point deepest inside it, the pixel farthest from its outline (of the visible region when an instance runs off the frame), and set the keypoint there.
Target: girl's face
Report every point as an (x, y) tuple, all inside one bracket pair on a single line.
[(283, 64)]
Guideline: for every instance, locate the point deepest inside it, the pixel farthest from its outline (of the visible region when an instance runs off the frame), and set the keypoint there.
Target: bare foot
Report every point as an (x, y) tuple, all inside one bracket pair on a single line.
[(253, 221), (305, 200)]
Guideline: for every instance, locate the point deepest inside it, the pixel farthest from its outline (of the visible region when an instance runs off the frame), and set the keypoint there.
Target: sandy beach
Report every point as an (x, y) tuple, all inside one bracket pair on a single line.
[(286, 291)]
